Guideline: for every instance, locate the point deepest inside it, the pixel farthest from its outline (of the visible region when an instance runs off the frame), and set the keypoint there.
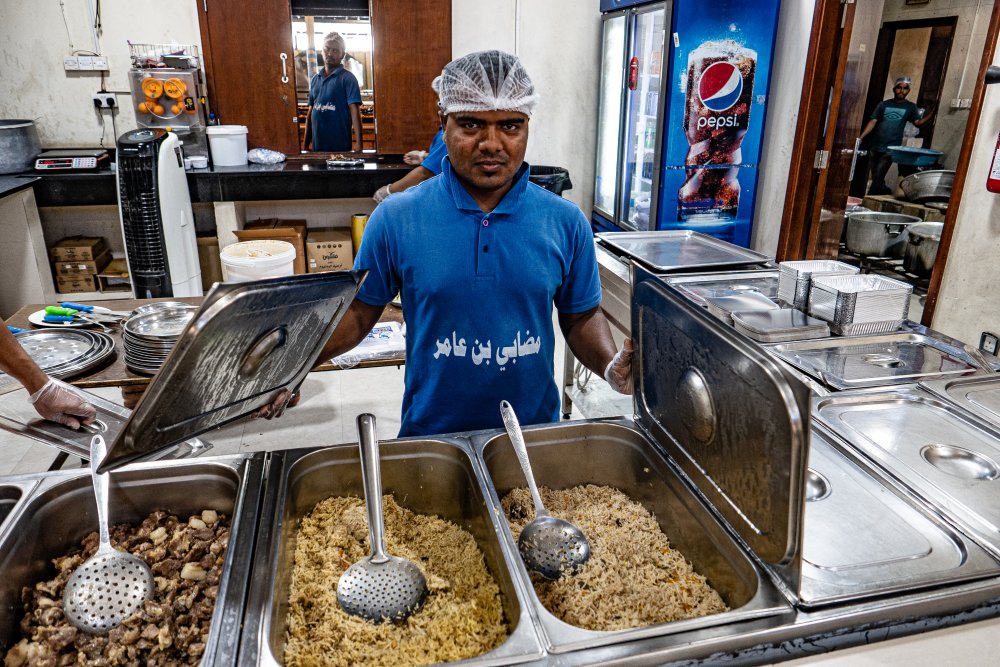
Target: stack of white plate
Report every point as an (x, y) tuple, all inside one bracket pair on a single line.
[(148, 338), (63, 353)]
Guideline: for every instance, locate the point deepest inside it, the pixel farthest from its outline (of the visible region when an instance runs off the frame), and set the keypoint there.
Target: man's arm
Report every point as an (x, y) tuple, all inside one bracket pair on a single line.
[(359, 319), (307, 140), (923, 119), (15, 362), (589, 337), (868, 128), (356, 124), (415, 176)]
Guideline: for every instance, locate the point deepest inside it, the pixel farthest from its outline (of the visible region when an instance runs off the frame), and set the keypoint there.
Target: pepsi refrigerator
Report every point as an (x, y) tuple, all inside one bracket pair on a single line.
[(681, 115)]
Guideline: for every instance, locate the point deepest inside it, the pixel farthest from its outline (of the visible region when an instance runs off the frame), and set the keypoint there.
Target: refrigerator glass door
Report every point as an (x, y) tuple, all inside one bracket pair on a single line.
[(609, 119), (643, 72)]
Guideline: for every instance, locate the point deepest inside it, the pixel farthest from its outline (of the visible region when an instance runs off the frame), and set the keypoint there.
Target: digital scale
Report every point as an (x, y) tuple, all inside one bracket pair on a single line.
[(78, 160)]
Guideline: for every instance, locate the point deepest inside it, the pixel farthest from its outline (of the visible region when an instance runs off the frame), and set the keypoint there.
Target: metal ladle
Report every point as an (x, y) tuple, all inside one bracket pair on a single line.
[(111, 585), (380, 587), (550, 546)]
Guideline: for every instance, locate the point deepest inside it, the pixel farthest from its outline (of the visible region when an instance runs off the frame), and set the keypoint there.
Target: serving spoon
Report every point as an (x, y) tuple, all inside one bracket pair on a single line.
[(550, 546)]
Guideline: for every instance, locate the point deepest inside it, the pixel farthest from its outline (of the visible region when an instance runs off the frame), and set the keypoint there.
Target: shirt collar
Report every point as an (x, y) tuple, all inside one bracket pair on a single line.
[(464, 201)]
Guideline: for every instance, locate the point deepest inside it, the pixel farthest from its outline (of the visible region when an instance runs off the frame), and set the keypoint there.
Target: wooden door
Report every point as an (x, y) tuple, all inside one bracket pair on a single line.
[(248, 82), (412, 43)]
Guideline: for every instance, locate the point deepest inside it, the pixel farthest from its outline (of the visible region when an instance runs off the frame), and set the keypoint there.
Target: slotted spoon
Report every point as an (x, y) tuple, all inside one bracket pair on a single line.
[(380, 587), (550, 546), (111, 585)]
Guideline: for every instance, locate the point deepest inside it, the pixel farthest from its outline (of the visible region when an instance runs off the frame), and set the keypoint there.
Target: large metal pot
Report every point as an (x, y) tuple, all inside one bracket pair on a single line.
[(878, 234), (18, 145), (928, 186), (922, 247)]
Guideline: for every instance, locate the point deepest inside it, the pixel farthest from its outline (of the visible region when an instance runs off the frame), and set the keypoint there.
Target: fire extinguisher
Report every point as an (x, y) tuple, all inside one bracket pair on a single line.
[(993, 181), (633, 73)]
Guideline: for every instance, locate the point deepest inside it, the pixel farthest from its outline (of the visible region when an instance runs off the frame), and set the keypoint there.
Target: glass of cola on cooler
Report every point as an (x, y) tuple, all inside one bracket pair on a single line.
[(716, 116)]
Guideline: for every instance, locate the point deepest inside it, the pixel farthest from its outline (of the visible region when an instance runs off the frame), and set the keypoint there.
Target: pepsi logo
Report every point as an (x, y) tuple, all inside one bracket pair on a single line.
[(721, 84)]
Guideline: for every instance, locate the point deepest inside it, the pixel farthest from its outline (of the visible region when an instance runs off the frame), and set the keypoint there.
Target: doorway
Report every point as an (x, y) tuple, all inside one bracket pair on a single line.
[(843, 69)]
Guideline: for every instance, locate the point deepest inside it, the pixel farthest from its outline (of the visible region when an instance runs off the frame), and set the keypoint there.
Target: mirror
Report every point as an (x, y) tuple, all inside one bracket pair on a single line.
[(312, 20)]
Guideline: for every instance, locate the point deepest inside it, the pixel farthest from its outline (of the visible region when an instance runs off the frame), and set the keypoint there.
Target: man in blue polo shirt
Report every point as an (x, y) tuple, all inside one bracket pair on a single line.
[(888, 121), (333, 122), (480, 255), (428, 164)]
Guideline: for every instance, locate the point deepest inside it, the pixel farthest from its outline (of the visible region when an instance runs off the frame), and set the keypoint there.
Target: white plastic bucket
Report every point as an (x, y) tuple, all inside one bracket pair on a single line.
[(228, 144), (254, 260)]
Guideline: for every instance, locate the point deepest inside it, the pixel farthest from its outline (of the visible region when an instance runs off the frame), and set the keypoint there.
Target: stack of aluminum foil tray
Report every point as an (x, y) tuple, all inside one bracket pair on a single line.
[(779, 326), (859, 305), (794, 278)]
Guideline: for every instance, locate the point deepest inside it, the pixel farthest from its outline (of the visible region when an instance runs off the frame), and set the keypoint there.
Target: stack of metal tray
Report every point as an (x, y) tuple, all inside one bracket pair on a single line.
[(698, 287), (779, 326), (861, 304), (149, 338), (794, 278), (724, 307), (671, 251), (62, 353)]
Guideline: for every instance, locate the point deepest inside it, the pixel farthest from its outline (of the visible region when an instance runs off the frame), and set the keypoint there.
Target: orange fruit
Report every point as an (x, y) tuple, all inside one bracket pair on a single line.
[(158, 109), (177, 108), (173, 88), (152, 87), (142, 107)]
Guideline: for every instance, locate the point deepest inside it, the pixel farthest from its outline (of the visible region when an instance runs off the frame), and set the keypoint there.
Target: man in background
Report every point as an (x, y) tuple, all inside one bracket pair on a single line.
[(333, 122), (888, 121)]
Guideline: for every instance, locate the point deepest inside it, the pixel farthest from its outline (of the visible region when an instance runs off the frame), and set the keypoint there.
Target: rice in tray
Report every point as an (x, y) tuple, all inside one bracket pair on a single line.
[(633, 578), (186, 558), (462, 616)]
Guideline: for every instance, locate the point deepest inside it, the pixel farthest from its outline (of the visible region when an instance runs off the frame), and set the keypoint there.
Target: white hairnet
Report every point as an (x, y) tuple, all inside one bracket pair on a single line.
[(902, 79), (485, 81)]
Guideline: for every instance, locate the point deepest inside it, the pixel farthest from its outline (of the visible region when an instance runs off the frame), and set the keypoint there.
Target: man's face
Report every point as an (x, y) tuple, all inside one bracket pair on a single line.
[(486, 148), (901, 90), (333, 53)]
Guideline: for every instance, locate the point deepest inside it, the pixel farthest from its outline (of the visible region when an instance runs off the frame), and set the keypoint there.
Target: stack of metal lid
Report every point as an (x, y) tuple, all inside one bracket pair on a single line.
[(779, 326), (62, 353), (149, 337), (724, 306)]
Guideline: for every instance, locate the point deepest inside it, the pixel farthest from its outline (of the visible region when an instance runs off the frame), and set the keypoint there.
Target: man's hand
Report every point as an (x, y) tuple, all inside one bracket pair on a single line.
[(414, 158), (58, 402), (619, 370), (382, 193), (283, 399)]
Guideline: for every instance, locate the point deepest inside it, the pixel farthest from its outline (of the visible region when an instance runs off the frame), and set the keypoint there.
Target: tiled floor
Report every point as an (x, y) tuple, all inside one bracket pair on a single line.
[(326, 415)]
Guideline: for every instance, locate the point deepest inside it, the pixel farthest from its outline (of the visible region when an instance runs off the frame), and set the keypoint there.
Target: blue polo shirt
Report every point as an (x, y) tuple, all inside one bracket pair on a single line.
[(892, 117), (435, 154), (329, 97), (477, 292)]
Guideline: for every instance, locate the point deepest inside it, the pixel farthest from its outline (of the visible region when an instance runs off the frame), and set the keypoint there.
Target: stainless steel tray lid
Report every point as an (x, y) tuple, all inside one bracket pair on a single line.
[(732, 418), (246, 342), (680, 250)]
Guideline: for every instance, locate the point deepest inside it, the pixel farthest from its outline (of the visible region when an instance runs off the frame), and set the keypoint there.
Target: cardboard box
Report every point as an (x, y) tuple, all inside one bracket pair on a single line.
[(82, 267), (292, 231), (114, 277), (209, 261), (329, 250), (80, 283), (74, 248)]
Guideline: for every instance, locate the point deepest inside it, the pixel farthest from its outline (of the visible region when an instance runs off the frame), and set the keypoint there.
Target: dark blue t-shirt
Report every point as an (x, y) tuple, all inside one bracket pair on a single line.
[(892, 117), (329, 97), (477, 291), (435, 154)]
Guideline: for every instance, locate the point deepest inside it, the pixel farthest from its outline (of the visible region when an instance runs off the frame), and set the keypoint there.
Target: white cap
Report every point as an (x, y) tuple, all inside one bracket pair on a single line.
[(902, 79), (485, 81)]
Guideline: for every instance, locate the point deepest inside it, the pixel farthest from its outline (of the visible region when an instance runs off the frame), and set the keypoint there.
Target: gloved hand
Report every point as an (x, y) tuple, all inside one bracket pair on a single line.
[(619, 371), (276, 408), (414, 158), (381, 194), (58, 402)]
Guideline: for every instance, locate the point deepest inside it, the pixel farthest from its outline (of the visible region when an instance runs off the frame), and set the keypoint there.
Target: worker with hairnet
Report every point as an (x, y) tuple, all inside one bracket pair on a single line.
[(479, 256), (51, 399), (888, 121), (333, 122)]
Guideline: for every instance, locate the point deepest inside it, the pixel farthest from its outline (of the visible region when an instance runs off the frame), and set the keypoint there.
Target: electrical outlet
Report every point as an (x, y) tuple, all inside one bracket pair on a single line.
[(70, 63), (988, 342), (86, 62), (104, 101), (99, 63)]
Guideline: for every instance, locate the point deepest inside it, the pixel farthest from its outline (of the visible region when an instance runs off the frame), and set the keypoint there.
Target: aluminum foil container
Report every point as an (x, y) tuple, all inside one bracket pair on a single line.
[(860, 304), (794, 278)]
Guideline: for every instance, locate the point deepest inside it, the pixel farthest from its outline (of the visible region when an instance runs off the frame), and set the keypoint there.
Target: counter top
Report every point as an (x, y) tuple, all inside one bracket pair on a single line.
[(296, 178), (15, 183)]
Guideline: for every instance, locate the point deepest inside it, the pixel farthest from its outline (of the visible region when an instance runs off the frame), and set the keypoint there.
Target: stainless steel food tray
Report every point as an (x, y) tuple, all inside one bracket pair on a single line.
[(62, 353), (60, 511), (779, 326), (873, 361), (697, 287), (680, 250), (864, 538), (930, 448), (979, 394), (725, 306), (344, 164)]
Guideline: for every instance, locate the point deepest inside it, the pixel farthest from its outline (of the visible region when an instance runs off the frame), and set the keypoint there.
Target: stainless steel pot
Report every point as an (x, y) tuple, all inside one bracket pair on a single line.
[(18, 145), (878, 234), (922, 246), (928, 186)]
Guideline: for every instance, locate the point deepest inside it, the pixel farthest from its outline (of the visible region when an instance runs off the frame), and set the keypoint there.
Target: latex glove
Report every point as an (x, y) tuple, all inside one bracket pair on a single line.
[(59, 402), (619, 371), (283, 399), (381, 194), (414, 158)]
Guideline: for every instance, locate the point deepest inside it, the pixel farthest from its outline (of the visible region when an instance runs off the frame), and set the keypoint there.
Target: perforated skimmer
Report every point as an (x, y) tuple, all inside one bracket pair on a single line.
[(111, 585), (380, 587), (550, 546)]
